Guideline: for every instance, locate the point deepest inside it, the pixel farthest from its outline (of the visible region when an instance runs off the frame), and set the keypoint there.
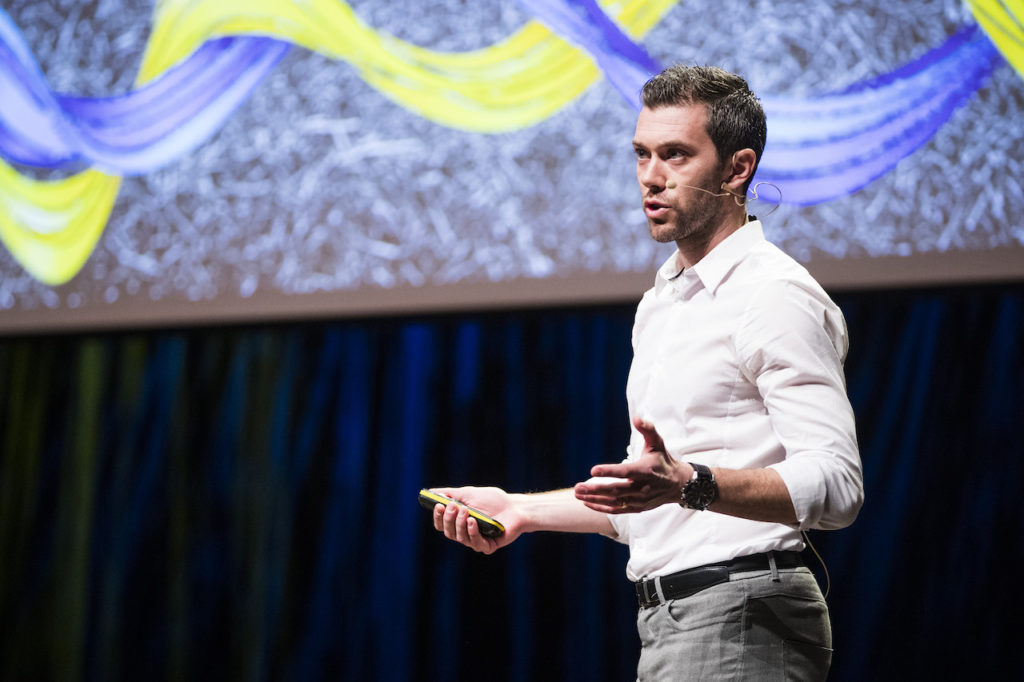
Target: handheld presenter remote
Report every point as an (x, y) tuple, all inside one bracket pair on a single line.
[(489, 528)]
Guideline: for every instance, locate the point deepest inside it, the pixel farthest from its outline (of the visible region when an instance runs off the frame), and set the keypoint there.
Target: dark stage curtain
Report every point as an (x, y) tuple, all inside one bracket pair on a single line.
[(240, 503)]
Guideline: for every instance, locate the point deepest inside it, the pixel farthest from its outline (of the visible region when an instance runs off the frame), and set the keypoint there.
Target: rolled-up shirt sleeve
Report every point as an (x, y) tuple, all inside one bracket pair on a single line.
[(620, 522), (792, 344)]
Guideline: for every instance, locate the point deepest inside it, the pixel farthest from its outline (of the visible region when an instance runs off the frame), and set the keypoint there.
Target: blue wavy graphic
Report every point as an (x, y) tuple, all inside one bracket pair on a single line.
[(133, 133), (819, 148), (832, 145), (625, 65)]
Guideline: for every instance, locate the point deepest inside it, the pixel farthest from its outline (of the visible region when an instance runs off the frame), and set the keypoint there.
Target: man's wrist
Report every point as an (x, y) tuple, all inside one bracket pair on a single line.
[(701, 491)]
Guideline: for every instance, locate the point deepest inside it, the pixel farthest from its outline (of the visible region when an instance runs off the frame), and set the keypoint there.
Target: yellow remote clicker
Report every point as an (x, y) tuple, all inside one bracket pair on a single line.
[(489, 528)]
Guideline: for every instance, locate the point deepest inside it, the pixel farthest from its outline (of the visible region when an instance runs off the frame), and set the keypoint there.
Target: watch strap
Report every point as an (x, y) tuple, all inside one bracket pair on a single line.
[(701, 490)]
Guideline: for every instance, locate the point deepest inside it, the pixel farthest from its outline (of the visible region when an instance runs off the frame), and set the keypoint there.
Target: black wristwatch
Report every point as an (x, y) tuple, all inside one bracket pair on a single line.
[(701, 491)]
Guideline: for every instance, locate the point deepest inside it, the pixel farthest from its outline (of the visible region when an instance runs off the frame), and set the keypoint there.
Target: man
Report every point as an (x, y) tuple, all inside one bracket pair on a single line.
[(742, 432)]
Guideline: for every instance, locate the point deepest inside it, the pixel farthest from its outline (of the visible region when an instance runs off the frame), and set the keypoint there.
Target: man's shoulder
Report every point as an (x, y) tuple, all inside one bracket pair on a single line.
[(781, 298), (768, 268)]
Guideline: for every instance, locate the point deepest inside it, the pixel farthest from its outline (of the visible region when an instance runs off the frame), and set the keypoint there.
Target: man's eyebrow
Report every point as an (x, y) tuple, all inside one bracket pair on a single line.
[(677, 143), (667, 144)]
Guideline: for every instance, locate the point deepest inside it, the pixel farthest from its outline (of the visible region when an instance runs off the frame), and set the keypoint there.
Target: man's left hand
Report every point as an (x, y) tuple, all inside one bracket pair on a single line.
[(651, 480)]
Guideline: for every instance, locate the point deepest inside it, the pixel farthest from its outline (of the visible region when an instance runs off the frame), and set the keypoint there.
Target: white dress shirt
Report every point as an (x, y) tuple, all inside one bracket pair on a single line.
[(738, 363)]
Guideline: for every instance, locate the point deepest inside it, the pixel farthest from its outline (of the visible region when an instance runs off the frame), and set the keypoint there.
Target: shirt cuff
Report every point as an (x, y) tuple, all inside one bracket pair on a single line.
[(806, 488), (620, 522)]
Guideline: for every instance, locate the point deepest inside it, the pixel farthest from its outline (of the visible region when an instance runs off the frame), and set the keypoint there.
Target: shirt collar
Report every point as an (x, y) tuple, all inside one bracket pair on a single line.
[(714, 267)]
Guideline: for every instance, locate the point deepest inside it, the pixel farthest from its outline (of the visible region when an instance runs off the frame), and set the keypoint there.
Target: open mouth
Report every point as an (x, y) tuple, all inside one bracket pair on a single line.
[(654, 209)]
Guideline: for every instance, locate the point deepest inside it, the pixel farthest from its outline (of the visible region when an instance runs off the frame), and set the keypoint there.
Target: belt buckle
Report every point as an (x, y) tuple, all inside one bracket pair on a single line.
[(649, 599), (647, 592)]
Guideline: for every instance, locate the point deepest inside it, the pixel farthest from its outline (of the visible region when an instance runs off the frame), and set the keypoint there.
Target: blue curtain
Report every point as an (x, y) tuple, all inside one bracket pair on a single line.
[(240, 503)]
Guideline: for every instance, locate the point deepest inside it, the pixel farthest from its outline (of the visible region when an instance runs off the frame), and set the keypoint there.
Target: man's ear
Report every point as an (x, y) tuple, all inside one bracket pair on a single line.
[(743, 163)]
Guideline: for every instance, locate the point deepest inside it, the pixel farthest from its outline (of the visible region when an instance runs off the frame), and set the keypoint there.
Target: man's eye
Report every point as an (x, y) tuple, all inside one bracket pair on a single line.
[(640, 153)]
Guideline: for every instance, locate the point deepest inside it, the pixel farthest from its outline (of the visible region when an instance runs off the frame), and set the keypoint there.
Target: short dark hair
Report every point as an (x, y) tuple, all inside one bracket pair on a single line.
[(735, 117)]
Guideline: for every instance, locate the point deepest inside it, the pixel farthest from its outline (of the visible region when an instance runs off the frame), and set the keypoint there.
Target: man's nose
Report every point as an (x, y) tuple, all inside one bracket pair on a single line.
[(651, 174)]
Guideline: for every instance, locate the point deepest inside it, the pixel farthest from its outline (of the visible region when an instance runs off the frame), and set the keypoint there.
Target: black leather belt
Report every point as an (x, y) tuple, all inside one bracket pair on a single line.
[(693, 580)]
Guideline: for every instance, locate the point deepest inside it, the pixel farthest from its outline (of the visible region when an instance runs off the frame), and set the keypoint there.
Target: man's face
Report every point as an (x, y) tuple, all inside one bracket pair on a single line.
[(674, 154)]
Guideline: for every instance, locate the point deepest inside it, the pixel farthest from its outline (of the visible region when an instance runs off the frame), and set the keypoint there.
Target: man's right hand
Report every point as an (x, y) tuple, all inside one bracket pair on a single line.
[(455, 522)]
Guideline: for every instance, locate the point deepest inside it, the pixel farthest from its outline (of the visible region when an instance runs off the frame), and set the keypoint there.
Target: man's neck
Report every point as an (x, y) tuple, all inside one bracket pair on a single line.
[(691, 250)]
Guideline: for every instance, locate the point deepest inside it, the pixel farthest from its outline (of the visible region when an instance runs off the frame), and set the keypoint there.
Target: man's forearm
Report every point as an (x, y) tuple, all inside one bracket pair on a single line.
[(655, 478), (559, 510), (756, 494)]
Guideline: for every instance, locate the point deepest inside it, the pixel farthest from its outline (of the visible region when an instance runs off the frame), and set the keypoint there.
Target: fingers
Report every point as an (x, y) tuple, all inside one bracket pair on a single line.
[(652, 440), (610, 507), (618, 471), (603, 491), (588, 495), (608, 499), (455, 522), (619, 496), (449, 521)]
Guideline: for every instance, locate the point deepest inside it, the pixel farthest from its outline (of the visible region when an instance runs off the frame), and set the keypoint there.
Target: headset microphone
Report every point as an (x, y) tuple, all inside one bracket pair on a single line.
[(725, 188), (740, 199), (737, 197)]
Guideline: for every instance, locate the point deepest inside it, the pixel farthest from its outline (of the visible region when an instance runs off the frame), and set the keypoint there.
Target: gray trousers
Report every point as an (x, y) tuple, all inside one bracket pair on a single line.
[(761, 625)]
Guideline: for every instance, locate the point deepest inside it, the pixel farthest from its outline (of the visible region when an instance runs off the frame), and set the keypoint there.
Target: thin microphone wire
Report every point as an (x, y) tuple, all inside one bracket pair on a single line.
[(741, 200), (828, 578)]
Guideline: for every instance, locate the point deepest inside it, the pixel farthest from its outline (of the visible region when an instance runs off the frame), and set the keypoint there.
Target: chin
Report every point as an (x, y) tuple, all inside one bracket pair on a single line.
[(661, 236), (663, 229)]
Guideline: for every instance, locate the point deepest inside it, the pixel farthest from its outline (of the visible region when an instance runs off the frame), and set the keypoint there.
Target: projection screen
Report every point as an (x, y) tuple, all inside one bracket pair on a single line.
[(209, 161)]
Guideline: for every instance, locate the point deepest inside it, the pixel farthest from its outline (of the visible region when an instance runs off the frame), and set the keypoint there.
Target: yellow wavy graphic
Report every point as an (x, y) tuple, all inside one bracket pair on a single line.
[(51, 227), (1004, 24)]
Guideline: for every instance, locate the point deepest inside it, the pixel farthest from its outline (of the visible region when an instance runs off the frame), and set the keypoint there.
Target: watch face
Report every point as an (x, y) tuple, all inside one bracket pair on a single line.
[(700, 493)]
